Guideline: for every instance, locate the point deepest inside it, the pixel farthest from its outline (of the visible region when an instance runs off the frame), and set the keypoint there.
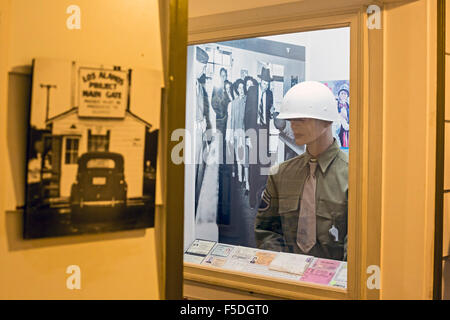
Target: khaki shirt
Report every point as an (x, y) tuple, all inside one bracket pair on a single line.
[(277, 219)]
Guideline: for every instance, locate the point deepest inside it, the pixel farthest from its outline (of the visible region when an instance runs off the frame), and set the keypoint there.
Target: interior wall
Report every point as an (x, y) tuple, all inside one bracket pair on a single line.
[(206, 7), (120, 265), (319, 64), (409, 150)]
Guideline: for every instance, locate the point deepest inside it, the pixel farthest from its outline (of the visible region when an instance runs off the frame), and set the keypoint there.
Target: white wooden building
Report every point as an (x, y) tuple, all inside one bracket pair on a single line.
[(73, 135)]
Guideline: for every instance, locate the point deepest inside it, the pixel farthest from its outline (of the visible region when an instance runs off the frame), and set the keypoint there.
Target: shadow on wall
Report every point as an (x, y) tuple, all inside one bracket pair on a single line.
[(19, 99), (14, 233)]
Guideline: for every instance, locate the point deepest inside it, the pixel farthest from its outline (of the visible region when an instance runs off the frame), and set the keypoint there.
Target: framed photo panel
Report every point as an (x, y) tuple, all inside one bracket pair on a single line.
[(92, 143)]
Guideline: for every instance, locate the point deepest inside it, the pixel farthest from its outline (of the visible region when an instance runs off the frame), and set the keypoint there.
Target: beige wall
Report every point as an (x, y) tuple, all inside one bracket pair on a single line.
[(409, 150), (115, 265), (206, 7)]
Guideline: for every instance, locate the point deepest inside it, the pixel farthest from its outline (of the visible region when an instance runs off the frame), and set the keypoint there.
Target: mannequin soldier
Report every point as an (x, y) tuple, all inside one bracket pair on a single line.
[(304, 206)]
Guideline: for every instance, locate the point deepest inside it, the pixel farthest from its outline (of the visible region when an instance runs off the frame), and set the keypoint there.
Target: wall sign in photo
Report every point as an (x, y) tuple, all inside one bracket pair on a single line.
[(91, 160), (103, 93)]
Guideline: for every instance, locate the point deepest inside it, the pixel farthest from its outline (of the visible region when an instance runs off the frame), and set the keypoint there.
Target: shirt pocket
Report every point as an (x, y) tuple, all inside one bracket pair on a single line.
[(288, 209), (329, 213)]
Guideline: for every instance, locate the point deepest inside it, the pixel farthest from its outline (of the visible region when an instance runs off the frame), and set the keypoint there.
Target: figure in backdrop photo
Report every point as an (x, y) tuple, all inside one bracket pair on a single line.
[(343, 109), (304, 206), (249, 81), (203, 122), (258, 113), (235, 135), (219, 102), (220, 98)]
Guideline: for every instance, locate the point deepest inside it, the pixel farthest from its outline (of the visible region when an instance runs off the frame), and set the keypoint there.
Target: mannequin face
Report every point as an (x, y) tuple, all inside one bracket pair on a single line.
[(308, 130)]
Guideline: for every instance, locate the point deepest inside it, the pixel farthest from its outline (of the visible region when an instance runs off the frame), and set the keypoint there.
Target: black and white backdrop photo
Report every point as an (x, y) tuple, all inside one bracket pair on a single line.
[(92, 143), (230, 82)]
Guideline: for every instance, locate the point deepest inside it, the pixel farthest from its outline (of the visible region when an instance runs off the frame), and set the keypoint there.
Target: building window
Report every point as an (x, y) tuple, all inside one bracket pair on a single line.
[(72, 145), (98, 142)]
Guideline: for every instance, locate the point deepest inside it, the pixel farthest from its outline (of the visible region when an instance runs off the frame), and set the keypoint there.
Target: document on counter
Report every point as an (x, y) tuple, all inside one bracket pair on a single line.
[(214, 261), (321, 271), (326, 264), (200, 247), (244, 254), (193, 258), (254, 268), (291, 263), (222, 250), (263, 258), (340, 278), (243, 259)]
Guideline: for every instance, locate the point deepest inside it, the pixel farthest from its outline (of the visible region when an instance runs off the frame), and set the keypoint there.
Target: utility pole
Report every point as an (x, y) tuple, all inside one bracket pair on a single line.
[(49, 87)]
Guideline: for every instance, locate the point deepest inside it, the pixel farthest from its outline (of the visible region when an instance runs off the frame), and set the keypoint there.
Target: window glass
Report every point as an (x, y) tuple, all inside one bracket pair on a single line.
[(101, 163), (72, 150), (267, 169), (98, 142)]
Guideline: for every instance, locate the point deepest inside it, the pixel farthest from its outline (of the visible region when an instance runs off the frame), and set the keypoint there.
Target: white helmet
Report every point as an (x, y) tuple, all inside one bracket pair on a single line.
[(309, 99)]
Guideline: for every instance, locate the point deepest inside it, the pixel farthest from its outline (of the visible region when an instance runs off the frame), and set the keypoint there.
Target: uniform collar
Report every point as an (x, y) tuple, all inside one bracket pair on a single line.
[(326, 157)]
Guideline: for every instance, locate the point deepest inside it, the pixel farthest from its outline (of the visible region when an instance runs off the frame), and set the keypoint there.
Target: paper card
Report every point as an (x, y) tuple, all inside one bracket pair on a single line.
[(193, 258), (214, 261), (291, 263), (243, 253), (222, 250), (253, 268), (340, 278), (201, 247), (326, 264), (321, 271), (318, 276), (263, 258)]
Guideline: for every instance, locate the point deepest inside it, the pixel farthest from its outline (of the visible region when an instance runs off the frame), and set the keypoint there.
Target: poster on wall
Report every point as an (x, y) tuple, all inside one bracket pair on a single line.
[(341, 90), (92, 143)]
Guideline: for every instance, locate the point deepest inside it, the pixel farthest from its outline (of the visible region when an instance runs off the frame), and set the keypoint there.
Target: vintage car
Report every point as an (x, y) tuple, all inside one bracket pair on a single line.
[(100, 181)]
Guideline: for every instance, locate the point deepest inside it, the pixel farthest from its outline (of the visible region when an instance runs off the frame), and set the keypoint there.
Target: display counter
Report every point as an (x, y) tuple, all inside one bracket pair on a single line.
[(269, 264)]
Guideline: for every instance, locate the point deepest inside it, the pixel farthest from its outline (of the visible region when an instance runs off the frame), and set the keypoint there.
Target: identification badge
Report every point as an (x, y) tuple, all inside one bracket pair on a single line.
[(334, 232)]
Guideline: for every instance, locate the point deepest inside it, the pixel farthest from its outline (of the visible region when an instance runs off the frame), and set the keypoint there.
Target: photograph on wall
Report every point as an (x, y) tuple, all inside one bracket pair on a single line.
[(238, 87), (341, 90), (92, 143)]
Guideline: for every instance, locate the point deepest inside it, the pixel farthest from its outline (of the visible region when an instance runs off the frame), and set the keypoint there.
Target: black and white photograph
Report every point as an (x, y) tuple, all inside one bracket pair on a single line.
[(239, 85), (92, 143)]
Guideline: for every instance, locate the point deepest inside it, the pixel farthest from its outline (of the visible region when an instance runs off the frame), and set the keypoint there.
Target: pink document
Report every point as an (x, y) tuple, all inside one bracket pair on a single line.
[(321, 271), (326, 264)]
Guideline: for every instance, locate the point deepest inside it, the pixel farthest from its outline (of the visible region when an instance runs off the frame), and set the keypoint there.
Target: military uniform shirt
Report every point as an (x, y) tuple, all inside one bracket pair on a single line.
[(277, 219)]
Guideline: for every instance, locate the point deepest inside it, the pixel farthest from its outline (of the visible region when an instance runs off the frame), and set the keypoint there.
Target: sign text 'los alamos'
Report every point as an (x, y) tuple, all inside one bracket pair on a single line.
[(103, 93)]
